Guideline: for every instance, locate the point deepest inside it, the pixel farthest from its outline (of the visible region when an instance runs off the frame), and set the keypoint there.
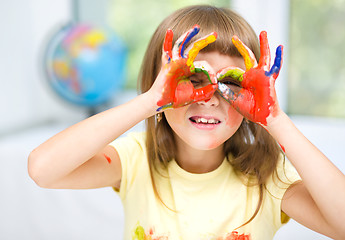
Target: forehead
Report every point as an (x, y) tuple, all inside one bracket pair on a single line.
[(219, 61)]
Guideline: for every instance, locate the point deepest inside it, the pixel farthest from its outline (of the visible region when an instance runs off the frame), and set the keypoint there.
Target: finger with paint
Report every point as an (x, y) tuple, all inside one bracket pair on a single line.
[(256, 100), (178, 91)]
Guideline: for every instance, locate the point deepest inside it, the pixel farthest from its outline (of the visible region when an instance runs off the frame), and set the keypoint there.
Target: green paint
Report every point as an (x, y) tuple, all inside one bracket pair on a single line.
[(139, 233), (200, 70), (236, 74)]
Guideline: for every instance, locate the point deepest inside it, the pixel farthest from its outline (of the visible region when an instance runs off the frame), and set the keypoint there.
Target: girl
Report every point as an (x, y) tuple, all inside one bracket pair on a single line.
[(209, 165)]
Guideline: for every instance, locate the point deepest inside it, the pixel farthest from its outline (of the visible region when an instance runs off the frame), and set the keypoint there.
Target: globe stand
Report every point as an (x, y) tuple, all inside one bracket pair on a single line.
[(92, 111)]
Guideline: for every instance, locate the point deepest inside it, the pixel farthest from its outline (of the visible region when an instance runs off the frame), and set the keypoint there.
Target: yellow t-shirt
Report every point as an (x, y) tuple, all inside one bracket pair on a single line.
[(202, 206)]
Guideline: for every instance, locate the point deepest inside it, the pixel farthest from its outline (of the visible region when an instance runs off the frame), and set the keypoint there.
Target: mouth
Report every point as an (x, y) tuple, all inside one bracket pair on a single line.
[(204, 121)]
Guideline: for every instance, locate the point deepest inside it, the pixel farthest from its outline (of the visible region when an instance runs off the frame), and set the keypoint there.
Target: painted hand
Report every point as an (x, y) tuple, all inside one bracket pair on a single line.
[(255, 97), (177, 89)]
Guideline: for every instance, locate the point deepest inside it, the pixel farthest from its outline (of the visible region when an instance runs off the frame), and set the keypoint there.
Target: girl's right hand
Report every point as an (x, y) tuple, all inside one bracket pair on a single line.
[(172, 83)]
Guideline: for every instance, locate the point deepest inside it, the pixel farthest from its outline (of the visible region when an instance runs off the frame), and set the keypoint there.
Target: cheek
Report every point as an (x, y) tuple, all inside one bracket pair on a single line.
[(234, 118), (175, 116)]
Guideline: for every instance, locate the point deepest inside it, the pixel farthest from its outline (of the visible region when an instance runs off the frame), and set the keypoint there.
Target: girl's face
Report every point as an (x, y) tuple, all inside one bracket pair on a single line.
[(206, 125)]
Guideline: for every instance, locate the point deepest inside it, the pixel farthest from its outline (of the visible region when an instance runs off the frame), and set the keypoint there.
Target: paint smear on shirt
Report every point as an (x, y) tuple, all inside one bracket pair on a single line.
[(140, 234), (235, 236)]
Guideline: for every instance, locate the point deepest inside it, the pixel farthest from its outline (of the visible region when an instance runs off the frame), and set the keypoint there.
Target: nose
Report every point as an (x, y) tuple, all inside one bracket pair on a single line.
[(212, 102)]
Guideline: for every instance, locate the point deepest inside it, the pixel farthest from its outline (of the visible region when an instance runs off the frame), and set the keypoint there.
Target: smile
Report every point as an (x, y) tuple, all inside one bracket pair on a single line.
[(203, 120)]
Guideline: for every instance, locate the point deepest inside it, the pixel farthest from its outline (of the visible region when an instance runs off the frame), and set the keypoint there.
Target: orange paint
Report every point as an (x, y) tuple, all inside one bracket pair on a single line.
[(107, 157)]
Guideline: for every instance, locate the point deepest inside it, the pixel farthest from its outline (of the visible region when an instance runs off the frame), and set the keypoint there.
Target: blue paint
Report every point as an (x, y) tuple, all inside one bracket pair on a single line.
[(277, 63), (189, 36)]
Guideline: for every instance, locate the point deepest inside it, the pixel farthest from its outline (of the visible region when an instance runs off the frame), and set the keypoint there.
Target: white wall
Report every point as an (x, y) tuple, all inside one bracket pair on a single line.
[(271, 16), (25, 97)]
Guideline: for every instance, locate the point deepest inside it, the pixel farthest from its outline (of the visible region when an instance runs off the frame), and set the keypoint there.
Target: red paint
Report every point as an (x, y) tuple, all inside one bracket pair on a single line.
[(178, 90), (107, 157), (282, 147), (257, 99), (183, 93), (176, 70), (235, 236), (265, 55), (167, 46), (259, 84)]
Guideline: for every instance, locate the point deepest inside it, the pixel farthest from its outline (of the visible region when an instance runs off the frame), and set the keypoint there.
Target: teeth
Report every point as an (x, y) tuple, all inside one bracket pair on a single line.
[(212, 121), (204, 120)]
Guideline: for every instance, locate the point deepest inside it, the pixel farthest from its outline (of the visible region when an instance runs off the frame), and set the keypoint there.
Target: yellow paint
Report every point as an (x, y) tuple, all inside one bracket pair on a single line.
[(197, 46), (244, 51)]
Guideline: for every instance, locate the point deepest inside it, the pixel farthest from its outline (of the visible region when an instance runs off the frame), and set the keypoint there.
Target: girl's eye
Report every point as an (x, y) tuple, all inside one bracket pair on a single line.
[(198, 80), (231, 82), (195, 82)]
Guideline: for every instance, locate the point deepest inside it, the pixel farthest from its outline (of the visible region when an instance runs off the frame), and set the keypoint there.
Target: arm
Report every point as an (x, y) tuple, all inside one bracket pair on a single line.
[(74, 158), (318, 201), (80, 157)]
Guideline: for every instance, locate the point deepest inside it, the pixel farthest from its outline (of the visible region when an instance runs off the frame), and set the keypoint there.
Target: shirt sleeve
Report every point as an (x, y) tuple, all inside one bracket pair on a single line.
[(279, 182), (132, 152)]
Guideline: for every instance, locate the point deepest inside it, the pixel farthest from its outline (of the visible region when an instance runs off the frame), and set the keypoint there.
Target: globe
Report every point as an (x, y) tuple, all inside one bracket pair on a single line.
[(85, 65)]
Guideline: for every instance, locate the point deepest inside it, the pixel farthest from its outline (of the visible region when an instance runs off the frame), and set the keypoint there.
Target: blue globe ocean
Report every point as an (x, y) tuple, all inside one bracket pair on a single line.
[(85, 65)]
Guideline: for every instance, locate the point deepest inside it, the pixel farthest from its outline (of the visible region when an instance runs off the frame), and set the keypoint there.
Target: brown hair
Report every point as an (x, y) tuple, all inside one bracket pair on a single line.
[(254, 152)]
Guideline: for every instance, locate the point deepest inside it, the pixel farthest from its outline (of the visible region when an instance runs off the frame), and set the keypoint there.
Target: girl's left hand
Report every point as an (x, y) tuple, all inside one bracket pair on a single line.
[(256, 100)]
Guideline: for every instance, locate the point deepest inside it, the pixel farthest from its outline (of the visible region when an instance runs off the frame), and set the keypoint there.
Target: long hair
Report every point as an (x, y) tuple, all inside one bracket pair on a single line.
[(254, 152)]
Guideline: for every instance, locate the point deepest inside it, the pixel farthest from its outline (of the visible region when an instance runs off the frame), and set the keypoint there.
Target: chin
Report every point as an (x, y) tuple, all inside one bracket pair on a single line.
[(206, 144)]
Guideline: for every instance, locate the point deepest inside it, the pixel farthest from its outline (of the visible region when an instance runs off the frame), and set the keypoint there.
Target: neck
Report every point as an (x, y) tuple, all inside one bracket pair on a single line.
[(199, 161)]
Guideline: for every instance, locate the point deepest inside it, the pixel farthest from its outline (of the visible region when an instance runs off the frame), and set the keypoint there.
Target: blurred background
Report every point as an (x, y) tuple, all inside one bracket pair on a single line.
[(62, 61)]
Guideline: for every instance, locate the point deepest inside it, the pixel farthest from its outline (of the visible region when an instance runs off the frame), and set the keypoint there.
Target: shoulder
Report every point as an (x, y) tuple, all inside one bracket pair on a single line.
[(283, 177), (133, 141), (278, 184), (131, 150)]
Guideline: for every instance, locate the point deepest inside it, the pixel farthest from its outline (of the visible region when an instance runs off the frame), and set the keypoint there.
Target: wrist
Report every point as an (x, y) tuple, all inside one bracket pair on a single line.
[(149, 102), (276, 123)]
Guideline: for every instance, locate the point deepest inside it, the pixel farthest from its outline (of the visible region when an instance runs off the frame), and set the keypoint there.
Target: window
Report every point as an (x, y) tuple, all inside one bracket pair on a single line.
[(317, 58), (136, 21)]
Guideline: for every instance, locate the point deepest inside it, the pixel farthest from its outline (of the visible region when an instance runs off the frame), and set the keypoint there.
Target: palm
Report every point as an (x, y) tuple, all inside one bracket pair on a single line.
[(257, 99), (177, 90)]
